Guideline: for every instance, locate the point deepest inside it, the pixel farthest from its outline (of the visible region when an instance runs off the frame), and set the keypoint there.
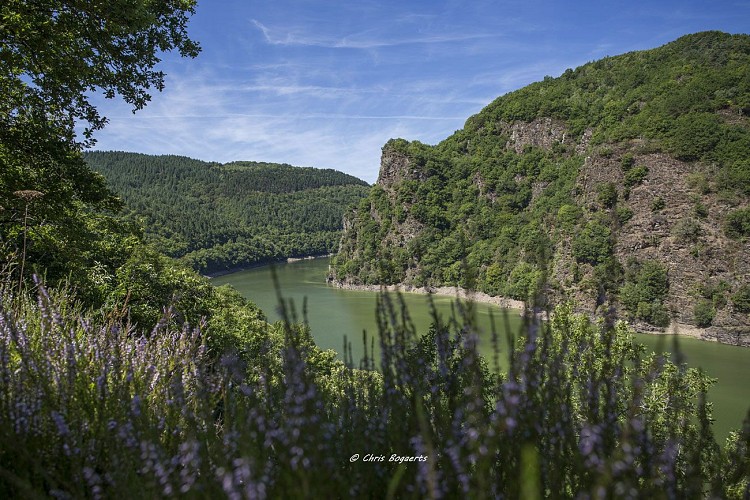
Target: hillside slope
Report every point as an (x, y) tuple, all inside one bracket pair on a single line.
[(623, 185), (216, 217)]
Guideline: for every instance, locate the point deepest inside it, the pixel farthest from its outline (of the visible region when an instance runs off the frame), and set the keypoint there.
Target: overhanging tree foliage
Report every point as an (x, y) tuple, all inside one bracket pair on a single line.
[(54, 52), (53, 56)]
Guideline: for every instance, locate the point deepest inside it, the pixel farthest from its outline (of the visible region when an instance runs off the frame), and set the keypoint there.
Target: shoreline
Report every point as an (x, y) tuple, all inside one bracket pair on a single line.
[(444, 291), (308, 257), (254, 265), (679, 329)]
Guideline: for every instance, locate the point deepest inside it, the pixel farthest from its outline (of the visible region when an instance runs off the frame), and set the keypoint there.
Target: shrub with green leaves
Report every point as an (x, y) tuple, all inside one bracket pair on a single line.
[(635, 175), (700, 210), (524, 282), (714, 292), (607, 194), (593, 244), (694, 134), (627, 162), (644, 292), (623, 214), (704, 313), (658, 204), (741, 299), (699, 182), (687, 230), (568, 215), (737, 223)]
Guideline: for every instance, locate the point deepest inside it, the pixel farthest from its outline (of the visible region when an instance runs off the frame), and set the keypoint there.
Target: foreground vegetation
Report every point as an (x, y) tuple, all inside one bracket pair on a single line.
[(93, 407)]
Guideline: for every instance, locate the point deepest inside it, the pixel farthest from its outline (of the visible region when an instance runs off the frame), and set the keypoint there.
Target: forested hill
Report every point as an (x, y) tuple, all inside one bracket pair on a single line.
[(216, 217), (622, 185)]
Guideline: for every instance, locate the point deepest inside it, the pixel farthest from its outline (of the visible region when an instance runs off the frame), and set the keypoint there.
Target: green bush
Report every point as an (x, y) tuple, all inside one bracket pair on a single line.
[(567, 215), (714, 292), (687, 229), (694, 134), (627, 162), (741, 299), (737, 223), (635, 175), (700, 210), (524, 282), (654, 280), (658, 204), (703, 313), (607, 194), (699, 182), (653, 313), (624, 214), (644, 292), (492, 283), (593, 244)]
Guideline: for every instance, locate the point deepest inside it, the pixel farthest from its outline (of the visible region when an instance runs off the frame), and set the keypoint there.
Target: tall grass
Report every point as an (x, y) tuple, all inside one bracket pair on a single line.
[(93, 408)]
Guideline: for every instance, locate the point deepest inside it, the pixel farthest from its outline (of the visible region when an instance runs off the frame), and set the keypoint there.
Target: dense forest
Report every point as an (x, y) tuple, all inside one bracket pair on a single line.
[(622, 183), (216, 217), (125, 374)]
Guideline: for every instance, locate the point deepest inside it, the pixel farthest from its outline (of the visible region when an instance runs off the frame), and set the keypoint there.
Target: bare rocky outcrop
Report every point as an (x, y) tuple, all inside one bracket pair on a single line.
[(693, 247), (542, 132), (395, 167), (664, 225)]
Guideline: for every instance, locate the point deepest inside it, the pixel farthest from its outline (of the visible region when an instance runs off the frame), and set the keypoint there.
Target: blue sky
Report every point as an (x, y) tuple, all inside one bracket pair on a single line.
[(327, 83)]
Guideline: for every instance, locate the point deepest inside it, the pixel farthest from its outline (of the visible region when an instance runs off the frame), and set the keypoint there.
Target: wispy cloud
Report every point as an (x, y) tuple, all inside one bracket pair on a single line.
[(204, 118), (304, 116), (273, 138), (328, 83), (360, 40)]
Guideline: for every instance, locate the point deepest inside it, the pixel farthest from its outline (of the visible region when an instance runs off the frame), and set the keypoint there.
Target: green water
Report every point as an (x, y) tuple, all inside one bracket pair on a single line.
[(333, 313)]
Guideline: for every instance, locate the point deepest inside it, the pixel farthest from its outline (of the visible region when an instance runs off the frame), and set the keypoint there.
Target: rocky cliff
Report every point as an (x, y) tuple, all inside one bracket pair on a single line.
[(623, 185)]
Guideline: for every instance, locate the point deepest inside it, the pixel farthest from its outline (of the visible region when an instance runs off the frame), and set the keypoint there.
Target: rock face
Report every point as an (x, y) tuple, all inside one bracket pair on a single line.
[(693, 248), (395, 167), (542, 133), (611, 187), (706, 255)]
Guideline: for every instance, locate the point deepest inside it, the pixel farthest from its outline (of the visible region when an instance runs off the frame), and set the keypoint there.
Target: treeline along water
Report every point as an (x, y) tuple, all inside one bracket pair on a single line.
[(333, 313)]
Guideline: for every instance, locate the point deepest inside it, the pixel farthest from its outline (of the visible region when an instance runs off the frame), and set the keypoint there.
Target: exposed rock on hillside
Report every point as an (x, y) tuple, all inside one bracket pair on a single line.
[(542, 133), (395, 167), (613, 186)]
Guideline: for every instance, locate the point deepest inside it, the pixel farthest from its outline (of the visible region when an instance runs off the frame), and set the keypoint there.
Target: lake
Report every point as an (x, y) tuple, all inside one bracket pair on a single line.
[(333, 313)]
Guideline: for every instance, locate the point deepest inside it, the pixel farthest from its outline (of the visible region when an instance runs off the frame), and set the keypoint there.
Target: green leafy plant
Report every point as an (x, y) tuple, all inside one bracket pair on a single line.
[(699, 182), (687, 229), (607, 194), (644, 292), (704, 313), (658, 204), (627, 162), (624, 214), (635, 176), (741, 299), (700, 210), (737, 223), (593, 244)]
